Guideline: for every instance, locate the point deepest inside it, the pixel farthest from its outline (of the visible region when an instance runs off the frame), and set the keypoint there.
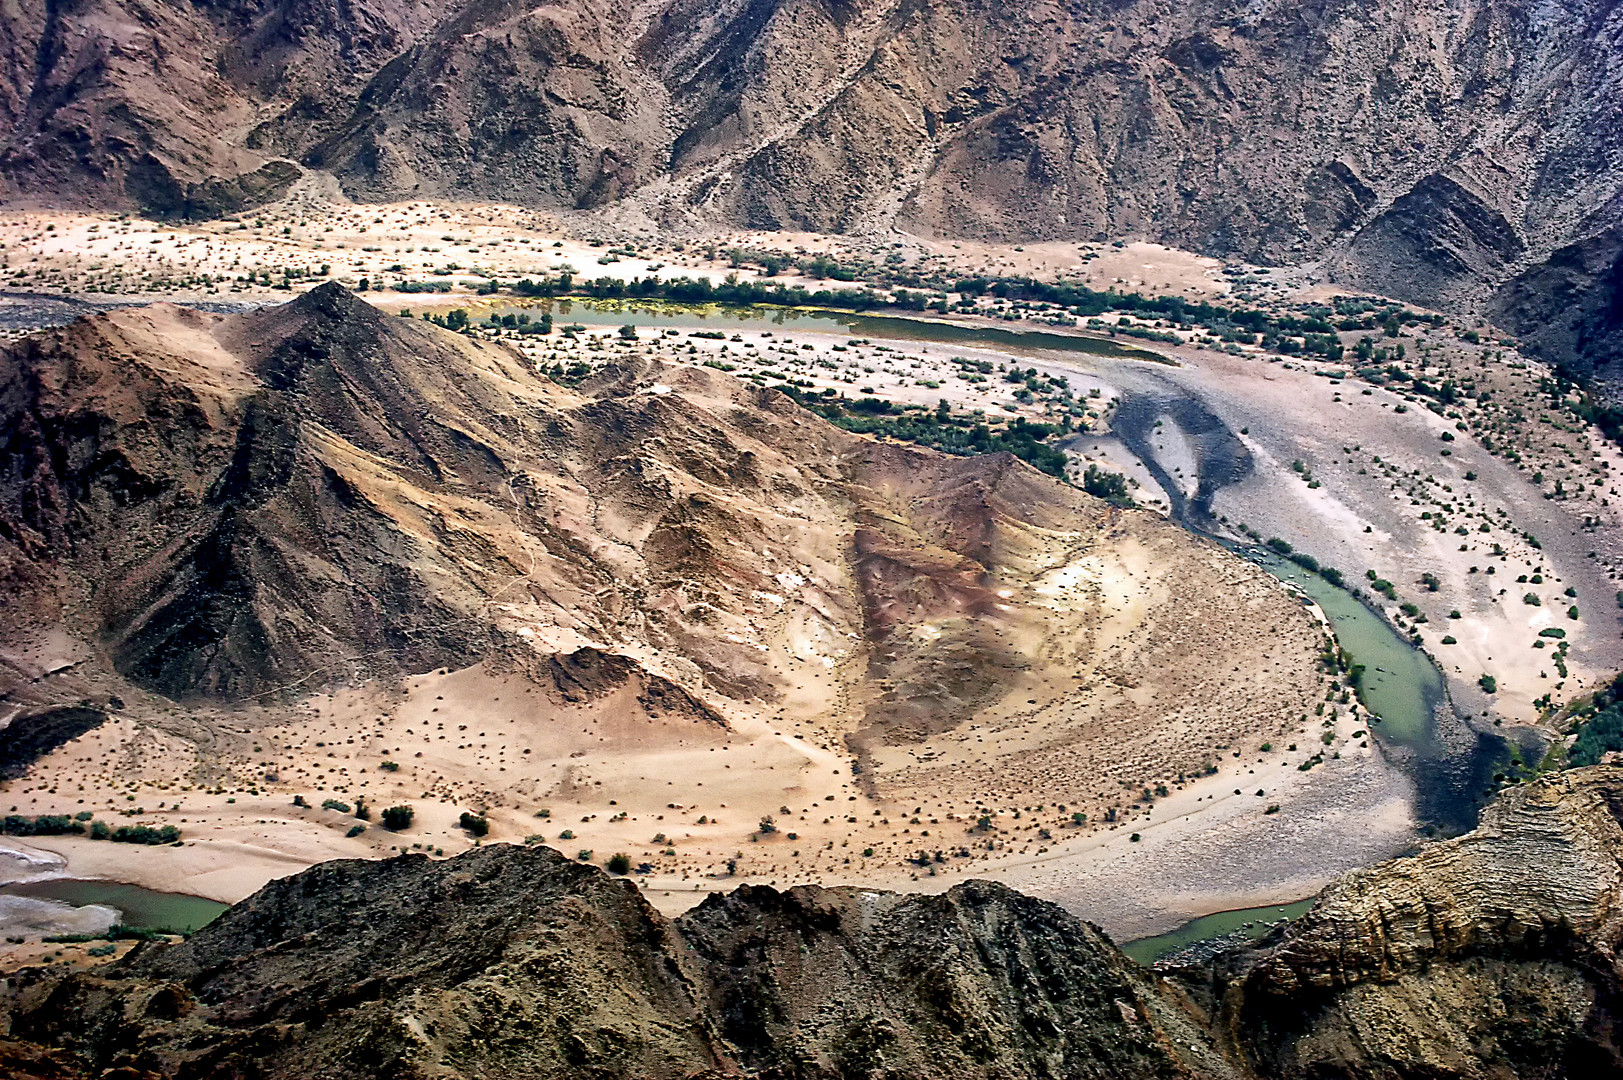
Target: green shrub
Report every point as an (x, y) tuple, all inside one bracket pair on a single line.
[(1110, 486), (43, 825), (145, 834), (476, 824), (619, 863), (1601, 734), (396, 818)]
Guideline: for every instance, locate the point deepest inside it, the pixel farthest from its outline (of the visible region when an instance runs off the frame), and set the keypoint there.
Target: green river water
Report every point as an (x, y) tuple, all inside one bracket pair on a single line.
[(808, 320), (1401, 684), (140, 908), (1252, 922)]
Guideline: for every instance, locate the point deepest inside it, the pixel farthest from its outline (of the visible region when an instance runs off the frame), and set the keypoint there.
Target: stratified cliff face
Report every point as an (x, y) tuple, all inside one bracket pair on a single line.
[(1426, 149), (1494, 955)]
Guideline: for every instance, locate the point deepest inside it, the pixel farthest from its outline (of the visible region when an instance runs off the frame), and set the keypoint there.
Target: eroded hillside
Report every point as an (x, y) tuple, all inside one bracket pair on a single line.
[(319, 551)]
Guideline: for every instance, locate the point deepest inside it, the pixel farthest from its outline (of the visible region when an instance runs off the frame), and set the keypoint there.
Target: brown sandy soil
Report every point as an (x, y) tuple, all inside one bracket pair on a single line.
[(16, 956), (312, 239)]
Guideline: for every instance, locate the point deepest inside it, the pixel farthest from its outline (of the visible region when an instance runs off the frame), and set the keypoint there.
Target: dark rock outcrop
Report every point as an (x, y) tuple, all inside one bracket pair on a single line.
[(508, 962), (1568, 309), (33, 733), (1495, 954)]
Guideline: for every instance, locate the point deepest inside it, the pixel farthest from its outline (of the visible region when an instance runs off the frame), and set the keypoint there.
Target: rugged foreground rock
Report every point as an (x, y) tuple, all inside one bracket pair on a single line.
[(1494, 955)]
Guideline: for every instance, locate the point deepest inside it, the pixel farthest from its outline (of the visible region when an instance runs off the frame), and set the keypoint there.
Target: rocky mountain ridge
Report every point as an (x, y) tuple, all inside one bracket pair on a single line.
[(1492, 955), (1460, 156)]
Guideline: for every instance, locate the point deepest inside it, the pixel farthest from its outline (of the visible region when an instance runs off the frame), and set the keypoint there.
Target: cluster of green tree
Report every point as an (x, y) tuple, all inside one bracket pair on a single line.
[(520, 322), (455, 319), (137, 834), (1219, 319), (423, 287), (117, 932), (772, 263), (571, 375), (940, 428), (1229, 323), (1109, 486), (1599, 726), (1361, 314), (561, 285), (1306, 561), (43, 825), (822, 266), (81, 823), (1381, 585), (730, 291), (1562, 387), (1143, 333), (286, 276)]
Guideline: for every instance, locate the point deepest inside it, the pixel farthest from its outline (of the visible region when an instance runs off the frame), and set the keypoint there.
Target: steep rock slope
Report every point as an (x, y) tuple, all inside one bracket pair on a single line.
[(1427, 150), (1493, 955)]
